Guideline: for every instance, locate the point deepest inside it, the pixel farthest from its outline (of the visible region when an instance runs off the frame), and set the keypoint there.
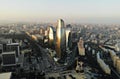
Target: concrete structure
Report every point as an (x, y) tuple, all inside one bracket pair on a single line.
[(60, 39), (6, 75), (13, 47), (103, 65), (9, 58), (81, 48), (118, 65)]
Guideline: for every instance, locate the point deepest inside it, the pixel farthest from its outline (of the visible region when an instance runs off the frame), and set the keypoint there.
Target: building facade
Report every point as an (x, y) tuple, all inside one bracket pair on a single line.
[(60, 39)]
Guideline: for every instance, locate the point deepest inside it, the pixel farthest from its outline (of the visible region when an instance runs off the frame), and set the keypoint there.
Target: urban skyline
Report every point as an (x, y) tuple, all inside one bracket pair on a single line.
[(78, 11), (61, 51)]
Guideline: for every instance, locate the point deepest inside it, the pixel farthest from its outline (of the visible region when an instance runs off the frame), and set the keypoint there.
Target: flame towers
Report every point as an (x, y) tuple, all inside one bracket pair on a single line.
[(51, 36), (60, 39)]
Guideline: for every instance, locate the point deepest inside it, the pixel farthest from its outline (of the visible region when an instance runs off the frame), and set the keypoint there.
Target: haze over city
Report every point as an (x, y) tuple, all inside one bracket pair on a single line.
[(78, 11), (59, 39)]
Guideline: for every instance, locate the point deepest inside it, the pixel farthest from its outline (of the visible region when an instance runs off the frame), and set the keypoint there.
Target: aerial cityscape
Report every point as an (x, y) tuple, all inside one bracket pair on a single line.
[(60, 39)]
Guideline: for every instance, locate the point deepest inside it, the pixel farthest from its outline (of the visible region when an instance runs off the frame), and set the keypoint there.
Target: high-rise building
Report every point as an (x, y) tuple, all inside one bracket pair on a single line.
[(68, 30), (67, 35), (12, 47), (51, 36), (60, 39), (9, 58), (81, 48), (42, 30)]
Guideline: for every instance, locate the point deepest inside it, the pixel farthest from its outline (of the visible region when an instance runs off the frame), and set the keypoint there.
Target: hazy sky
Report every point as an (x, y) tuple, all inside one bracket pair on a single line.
[(87, 11)]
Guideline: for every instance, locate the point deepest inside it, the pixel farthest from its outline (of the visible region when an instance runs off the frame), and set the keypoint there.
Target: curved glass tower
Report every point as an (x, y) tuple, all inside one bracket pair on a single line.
[(60, 39), (51, 36)]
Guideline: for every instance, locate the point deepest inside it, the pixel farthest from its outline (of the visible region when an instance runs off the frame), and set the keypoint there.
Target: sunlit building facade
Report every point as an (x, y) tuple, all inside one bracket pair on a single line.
[(60, 39), (81, 48), (51, 36)]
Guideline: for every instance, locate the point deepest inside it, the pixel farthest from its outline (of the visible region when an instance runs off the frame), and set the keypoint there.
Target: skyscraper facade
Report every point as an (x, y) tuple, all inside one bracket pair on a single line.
[(68, 30), (60, 39), (51, 36)]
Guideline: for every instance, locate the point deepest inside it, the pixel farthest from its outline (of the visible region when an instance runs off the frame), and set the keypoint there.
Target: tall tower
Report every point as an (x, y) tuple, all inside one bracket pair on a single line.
[(60, 39), (51, 36), (81, 48), (68, 30)]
